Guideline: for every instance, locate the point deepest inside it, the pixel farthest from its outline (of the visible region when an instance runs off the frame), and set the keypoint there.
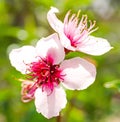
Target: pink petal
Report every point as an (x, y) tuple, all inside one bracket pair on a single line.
[(58, 26), (79, 73), (66, 42), (53, 21), (20, 57), (94, 46), (51, 47), (50, 105)]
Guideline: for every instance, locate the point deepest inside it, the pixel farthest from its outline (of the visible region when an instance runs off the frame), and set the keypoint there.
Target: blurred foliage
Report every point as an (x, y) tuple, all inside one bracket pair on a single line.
[(24, 22)]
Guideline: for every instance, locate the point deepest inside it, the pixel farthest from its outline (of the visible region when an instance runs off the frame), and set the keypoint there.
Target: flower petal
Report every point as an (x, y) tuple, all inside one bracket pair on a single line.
[(79, 73), (53, 21), (51, 47), (94, 46), (50, 105), (58, 26), (20, 57), (65, 41)]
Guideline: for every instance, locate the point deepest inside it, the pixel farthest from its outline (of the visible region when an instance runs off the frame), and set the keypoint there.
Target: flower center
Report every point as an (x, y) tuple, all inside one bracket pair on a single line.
[(77, 31), (45, 75)]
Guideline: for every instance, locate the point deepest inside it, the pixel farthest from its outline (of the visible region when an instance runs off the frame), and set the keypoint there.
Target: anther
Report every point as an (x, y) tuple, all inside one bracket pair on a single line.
[(52, 72), (78, 13)]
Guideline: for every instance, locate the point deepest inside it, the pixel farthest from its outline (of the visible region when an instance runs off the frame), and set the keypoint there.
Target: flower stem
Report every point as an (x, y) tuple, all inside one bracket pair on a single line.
[(58, 118)]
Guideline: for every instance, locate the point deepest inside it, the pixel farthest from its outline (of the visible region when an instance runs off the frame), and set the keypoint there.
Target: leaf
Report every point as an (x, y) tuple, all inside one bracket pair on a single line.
[(115, 84)]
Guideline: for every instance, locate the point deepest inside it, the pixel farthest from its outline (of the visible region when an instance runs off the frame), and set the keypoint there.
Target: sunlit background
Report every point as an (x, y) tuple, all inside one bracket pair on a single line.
[(24, 22)]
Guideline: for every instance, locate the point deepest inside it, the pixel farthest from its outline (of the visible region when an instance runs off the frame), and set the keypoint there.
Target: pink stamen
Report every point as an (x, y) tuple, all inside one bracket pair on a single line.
[(28, 89), (45, 74), (77, 31)]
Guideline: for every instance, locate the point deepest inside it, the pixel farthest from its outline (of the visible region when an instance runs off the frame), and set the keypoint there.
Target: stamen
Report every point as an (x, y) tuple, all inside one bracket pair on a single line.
[(92, 24), (78, 13), (44, 74), (93, 30), (28, 89), (77, 31)]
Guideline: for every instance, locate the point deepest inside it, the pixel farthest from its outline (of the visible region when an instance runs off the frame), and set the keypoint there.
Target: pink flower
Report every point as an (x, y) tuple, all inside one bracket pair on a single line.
[(75, 35), (47, 72)]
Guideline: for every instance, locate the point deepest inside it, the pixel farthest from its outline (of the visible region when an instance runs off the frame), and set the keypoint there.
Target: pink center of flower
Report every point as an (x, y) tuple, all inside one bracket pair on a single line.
[(45, 75), (77, 31)]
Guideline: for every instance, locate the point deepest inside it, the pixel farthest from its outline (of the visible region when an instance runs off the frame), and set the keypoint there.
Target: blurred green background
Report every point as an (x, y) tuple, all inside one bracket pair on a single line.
[(24, 22)]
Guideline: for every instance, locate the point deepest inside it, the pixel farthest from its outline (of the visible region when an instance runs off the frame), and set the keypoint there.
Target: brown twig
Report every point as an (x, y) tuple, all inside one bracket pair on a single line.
[(58, 118)]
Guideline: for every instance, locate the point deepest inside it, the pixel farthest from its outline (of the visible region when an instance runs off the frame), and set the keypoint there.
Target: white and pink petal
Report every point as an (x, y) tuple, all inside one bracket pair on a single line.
[(58, 26), (50, 47), (66, 42), (94, 46), (21, 57), (54, 22), (50, 105), (78, 73)]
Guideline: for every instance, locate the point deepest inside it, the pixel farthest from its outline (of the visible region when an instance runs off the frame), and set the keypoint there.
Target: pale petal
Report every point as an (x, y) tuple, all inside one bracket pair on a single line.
[(58, 26), (50, 105), (66, 42), (53, 21), (51, 47), (79, 73), (94, 46), (20, 57)]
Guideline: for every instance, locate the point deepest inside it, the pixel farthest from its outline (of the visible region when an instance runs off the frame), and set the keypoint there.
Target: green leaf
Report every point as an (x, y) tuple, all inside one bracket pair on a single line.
[(115, 84)]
